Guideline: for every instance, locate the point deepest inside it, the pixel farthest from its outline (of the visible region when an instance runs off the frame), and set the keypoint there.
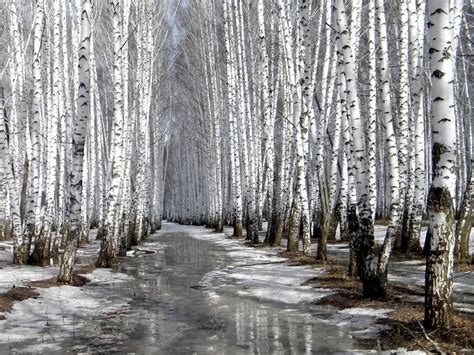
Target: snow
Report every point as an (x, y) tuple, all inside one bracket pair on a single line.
[(44, 322), (363, 320), (284, 294), (13, 275), (381, 313), (57, 314), (106, 277), (274, 280), (259, 272), (6, 251), (277, 281)]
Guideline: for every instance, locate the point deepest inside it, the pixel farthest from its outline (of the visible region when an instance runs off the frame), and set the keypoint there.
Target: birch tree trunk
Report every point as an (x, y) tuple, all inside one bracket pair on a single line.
[(393, 229), (464, 225), (109, 245), (360, 217), (37, 115), (372, 109), (233, 139), (268, 122), (18, 137), (296, 96), (74, 215), (417, 23), (405, 126), (303, 121), (20, 251), (17, 119), (46, 243), (439, 261), (245, 122)]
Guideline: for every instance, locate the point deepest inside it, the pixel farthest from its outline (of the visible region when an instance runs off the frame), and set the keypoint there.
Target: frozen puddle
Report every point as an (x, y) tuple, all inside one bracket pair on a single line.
[(196, 292)]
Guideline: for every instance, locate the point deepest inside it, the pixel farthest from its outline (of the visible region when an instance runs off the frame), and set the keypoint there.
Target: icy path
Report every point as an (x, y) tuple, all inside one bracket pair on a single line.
[(199, 292)]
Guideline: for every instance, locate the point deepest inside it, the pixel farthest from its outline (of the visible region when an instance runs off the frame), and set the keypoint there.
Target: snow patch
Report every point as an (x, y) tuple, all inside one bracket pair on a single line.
[(107, 276), (19, 275), (287, 295), (379, 313), (259, 271), (55, 316)]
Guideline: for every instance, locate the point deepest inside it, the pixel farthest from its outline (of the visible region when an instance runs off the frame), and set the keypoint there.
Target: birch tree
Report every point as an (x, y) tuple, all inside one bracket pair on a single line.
[(109, 245), (234, 159), (74, 227), (360, 218), (439, 261), (37, 115), (20, 251)]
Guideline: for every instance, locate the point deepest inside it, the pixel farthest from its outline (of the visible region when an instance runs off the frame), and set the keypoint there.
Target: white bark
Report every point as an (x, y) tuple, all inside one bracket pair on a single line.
[(233, 139), (17, 120), (7, 160), (268, 118), (372, 109), (76, 195), (439, 266), (391, 146), (109, 246), (37, 117), (404, 116)]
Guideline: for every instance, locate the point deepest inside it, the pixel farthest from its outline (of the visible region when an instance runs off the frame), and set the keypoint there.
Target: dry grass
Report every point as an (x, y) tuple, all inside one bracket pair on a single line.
[(15, 294), (396, 255), (382, 221), (464, 267), (406, 319), (297, 258), (78, 281), (407, 331)]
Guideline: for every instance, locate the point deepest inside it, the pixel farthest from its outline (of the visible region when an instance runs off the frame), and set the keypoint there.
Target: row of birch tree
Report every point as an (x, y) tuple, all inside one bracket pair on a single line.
[(322, 117), (81, 126)]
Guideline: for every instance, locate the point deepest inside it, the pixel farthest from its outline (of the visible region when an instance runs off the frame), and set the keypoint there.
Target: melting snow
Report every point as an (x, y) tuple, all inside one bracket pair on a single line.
[(380, 313), (58, 312), (13, 275), (260, 272)]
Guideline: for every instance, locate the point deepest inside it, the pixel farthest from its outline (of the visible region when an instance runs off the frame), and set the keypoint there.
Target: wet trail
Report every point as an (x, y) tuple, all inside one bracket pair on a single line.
[(171, 303), (170, 311)]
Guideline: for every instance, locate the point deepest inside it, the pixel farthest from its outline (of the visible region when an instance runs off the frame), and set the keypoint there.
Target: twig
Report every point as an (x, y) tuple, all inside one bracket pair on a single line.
[(256, 264), (428, 338), (462, 274), (51, 335), (413, 335)]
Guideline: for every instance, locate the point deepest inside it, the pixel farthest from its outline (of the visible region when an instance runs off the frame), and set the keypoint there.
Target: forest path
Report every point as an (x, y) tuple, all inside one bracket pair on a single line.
[(198, 292)]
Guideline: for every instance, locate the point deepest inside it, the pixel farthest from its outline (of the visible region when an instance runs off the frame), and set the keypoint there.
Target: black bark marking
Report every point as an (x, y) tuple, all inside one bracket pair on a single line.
[(438, 74)]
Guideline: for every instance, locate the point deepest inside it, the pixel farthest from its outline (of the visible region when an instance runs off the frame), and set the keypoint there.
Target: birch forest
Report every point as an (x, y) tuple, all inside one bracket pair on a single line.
[(290, 126)]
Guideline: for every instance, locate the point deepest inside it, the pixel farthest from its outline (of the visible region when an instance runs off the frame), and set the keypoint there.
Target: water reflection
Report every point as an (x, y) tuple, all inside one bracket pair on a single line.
[(228, 323), (270, 329)]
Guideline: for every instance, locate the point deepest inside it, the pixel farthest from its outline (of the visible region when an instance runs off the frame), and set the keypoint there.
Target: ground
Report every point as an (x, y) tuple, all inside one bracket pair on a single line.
[(262, 286)]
